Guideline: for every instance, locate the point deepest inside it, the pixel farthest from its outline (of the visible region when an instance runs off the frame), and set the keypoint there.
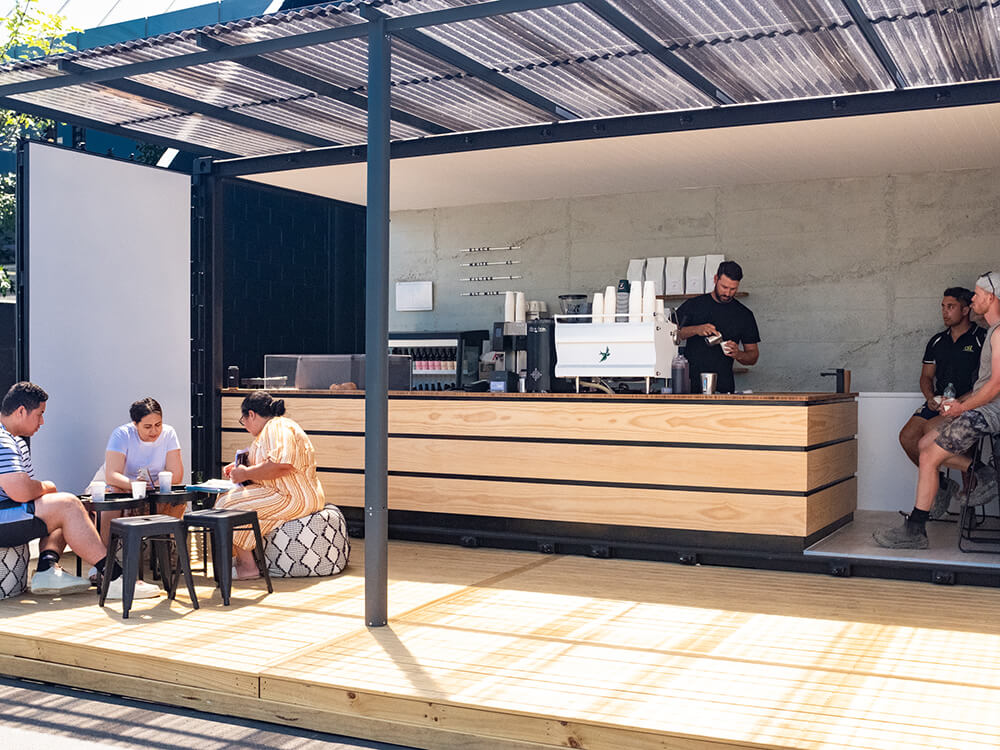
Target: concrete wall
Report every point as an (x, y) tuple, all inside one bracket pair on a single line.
[(840, 273)]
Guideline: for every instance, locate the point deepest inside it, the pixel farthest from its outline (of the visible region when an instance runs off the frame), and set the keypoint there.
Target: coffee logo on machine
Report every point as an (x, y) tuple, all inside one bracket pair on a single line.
[(606, 353)]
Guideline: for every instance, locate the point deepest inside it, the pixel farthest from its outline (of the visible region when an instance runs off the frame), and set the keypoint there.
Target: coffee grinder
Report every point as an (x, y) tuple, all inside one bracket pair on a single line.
[(541, 377)]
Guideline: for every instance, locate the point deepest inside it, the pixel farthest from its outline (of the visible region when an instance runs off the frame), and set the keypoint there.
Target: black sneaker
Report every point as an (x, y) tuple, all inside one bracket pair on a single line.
[(906, 536)]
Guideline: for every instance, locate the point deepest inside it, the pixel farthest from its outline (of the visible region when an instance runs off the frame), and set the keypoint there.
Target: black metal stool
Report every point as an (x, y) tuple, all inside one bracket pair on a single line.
[(972, 519), (162, 531), (221, 523)]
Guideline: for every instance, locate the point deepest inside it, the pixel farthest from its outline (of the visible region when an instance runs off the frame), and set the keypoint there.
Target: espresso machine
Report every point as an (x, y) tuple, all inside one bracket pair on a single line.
[(509, 339)]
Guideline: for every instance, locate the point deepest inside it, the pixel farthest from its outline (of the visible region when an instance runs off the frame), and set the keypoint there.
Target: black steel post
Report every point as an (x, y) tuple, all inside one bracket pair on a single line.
[(206, 320), (376, 331), (21, 264)]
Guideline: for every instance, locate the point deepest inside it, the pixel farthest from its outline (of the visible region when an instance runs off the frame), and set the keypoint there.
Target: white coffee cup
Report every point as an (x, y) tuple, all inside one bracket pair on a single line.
[(96, 490), (138, 489), (165, 480)]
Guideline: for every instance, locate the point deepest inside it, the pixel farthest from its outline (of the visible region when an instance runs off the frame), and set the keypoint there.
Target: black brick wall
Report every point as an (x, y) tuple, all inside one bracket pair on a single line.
[(8, 335), (294, 275)]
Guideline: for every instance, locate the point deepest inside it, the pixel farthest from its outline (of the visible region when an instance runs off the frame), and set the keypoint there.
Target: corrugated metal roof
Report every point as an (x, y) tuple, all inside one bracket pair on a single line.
[(531, 66)]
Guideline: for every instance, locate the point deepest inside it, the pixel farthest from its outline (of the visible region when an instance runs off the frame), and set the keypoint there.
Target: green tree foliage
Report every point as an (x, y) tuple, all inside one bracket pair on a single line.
[(27, 32)]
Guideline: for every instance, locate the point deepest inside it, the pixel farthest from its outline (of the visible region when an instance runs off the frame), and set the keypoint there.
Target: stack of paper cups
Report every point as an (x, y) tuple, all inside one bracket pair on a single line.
[(509, 303), (661, 308), (635, 303), (610, 301), (597, 308), (519, 307), (648, 300)]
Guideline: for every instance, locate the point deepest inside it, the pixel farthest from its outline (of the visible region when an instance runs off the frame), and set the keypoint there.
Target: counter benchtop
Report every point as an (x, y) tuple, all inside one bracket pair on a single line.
[(802, 398), (774, 469)]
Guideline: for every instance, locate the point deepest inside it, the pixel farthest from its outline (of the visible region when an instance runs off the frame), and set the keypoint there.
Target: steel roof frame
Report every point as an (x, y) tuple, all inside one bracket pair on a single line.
[(319, 86), (296, 41), (875, 42), (189, 105), (645, 40), (463, 62), (136, 135), (869, 103)]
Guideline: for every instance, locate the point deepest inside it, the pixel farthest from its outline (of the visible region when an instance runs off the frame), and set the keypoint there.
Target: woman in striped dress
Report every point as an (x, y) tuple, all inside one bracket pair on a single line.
[(280, 477)]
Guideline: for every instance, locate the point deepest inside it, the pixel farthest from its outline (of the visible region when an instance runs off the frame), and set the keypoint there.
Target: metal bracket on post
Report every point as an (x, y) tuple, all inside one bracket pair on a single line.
[(203, 165)]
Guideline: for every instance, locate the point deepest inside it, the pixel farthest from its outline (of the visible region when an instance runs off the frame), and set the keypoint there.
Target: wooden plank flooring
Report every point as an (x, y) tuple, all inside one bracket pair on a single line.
[(491, 648)]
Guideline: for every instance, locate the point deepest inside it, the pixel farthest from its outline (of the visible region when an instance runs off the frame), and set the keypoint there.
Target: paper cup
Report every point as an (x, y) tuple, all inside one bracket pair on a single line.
[(165, 481), (138, 490), (519, 307), (610, 300), (598, 308), (509, 306), (96, 490), (635, 304)]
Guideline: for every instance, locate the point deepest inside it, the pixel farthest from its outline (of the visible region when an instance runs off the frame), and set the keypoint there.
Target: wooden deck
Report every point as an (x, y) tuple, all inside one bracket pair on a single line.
[(492, 648)]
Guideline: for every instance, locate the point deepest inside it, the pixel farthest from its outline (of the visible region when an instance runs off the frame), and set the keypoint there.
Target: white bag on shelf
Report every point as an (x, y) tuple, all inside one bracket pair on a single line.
[(636, 272), (711, 266), (654, 273), (695, 283), (673, 275)]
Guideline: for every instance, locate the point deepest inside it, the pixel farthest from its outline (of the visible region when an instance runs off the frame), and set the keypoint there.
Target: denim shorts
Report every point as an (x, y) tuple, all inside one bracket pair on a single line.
[(19, 524), (962, 432)]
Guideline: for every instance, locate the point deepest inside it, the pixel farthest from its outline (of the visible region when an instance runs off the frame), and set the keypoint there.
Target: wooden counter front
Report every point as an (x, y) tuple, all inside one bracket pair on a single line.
[(776, 469)]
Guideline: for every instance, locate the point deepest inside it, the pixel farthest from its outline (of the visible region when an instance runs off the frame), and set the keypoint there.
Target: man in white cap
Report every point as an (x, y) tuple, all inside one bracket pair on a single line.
[(968, 418)]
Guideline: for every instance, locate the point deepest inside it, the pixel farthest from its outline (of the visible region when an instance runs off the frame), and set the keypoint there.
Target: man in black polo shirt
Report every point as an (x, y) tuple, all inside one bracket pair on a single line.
[(718, 312), (951, 357)]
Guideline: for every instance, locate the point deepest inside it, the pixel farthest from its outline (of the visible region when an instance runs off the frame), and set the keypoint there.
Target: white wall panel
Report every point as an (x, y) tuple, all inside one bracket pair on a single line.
[(108, 275)]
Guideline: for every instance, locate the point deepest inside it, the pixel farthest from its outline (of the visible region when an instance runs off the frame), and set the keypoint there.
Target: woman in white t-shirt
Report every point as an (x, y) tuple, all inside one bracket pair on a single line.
[(144, 443)]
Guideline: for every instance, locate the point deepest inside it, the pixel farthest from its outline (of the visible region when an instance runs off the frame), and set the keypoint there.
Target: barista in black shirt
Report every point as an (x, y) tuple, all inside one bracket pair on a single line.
[(718, 312)]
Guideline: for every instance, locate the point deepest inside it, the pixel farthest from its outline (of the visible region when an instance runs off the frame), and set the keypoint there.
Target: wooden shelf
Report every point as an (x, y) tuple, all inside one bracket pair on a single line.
[(691, 296)]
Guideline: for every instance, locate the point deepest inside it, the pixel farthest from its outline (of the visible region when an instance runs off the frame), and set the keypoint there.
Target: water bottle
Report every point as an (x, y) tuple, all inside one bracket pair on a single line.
[(947, 397), (680, 374)]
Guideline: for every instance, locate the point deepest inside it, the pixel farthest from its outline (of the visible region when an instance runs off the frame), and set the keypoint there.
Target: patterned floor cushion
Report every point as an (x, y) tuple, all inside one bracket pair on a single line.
[(316, 545), (13, 570)]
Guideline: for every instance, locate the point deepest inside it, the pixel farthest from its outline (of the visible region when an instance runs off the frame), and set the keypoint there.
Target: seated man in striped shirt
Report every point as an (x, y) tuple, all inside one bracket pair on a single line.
[(33, 509)]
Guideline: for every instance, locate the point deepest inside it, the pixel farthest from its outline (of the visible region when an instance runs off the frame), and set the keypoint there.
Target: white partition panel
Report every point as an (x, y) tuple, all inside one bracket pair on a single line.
[(887, 480), (108, 302)]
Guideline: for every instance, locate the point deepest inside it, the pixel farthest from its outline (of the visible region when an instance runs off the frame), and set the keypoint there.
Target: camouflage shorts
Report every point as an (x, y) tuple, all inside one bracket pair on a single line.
[(962, 432)]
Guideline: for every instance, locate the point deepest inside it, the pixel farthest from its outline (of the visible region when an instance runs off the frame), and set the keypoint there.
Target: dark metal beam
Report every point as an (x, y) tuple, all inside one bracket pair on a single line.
[(875, 42), (376, 331), (187, 104), (853, 105), (137, 135), (463, 62), (292, 41), (319, 86), (467, 13), (646, 41)]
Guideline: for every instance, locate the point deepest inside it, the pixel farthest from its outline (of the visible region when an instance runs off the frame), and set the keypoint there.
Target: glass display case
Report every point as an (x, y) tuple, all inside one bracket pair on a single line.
[(326, 372), (441, 361)]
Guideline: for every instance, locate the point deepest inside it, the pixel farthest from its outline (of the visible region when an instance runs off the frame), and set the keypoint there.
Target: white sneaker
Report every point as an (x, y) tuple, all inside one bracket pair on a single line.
[(55, 581), (143, 590)]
